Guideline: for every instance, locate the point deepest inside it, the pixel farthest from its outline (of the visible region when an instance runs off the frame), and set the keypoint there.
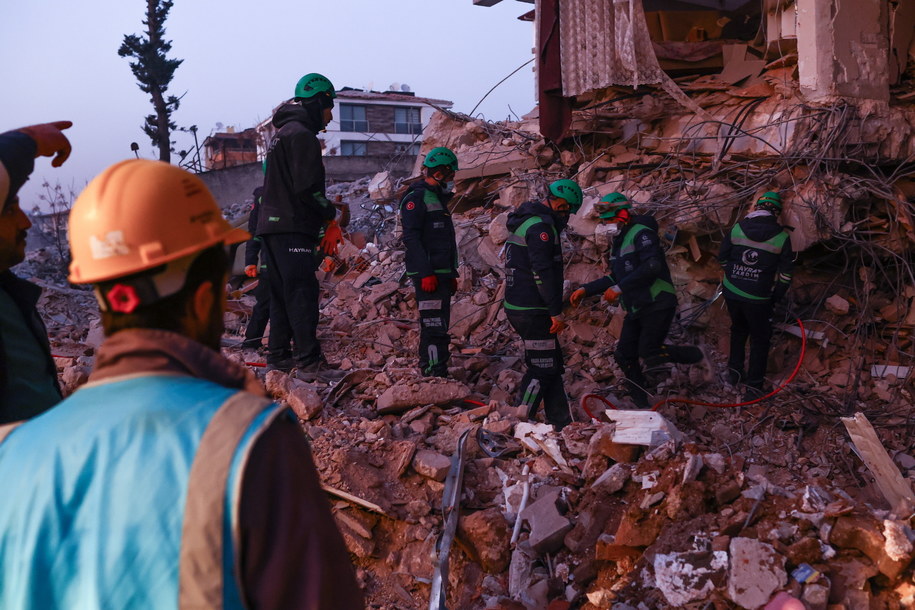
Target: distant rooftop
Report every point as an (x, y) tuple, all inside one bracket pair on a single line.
[(393, 96)]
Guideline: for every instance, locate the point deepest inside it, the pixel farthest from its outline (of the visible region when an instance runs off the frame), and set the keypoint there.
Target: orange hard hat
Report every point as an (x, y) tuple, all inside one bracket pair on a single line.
[(139, 214)]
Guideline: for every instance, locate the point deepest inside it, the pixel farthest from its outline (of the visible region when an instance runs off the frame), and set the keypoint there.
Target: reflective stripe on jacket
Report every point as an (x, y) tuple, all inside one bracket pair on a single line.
[(533, 255), (428, 231), (757, 259), (137, 505), (639, 268)]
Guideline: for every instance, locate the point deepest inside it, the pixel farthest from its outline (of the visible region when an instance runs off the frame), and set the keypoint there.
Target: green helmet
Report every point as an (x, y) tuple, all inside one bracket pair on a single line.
[(440, 156), (568, 190), (770, 199), (312, 84), (610, 205)]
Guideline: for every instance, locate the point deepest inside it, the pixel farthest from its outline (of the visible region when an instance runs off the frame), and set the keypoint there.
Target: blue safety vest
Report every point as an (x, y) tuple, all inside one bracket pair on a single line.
[(125, 495)]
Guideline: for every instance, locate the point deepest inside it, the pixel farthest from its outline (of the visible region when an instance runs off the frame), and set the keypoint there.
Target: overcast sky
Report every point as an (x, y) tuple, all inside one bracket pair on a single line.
[(241, 58)]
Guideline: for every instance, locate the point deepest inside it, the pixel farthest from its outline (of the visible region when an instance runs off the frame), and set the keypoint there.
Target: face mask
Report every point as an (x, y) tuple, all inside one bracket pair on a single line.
[(448, 186), (614, 229)]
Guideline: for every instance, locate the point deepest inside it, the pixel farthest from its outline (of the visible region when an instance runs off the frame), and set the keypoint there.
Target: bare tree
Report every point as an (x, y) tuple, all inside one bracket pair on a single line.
[(154, 72), (53, 223)]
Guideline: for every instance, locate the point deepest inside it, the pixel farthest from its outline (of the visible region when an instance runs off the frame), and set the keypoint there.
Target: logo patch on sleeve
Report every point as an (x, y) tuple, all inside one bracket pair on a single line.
[(544, 236), (410, 205)]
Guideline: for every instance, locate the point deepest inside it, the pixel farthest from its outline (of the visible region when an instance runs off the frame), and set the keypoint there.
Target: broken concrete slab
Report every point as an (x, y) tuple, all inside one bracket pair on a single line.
[(612, 480), (756, 572), (688, 576), (642, 428), (303, 398), (404, 396), (381, 291)]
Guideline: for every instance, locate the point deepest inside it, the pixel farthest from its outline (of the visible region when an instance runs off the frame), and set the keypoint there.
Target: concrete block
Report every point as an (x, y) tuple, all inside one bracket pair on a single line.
[(431, 465), (548, 527)]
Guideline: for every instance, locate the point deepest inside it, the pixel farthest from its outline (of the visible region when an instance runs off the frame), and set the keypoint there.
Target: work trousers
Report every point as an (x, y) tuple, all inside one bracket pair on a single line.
[(294, 294), (434, 320), (751, 321), (643, 337), (543, 379), (260, 315)]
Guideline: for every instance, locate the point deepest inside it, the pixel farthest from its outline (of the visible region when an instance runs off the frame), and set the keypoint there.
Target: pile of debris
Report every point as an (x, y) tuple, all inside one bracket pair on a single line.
[(729, 507), (693, 505)]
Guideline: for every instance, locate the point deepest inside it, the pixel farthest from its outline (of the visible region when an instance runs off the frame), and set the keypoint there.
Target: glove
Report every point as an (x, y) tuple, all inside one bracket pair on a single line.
[(557, 325), (50, 140), (612, 294), (333, 237), (251, 270), (453, 285), (576, 297), (429, 283)]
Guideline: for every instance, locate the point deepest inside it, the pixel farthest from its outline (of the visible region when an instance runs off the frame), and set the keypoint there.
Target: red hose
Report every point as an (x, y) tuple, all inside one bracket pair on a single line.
[(797, 367)]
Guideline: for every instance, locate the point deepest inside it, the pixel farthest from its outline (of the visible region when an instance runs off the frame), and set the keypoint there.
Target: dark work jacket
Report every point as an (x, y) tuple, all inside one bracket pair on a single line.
[(428, 231), (253, 245), (638, 268), (533, 255), (25, 295), (758, 260), (293, 200)]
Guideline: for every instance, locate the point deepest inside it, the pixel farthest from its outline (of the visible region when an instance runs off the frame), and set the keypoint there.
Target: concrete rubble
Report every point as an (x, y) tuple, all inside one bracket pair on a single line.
[(689, 506)]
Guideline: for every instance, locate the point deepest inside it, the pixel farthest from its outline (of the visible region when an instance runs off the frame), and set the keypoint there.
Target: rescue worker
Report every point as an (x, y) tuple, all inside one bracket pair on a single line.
[(28, 377), (256, 267), (431, 256), (758, 262), (640, 279), (169, 480), (293, 214), (533, 296)]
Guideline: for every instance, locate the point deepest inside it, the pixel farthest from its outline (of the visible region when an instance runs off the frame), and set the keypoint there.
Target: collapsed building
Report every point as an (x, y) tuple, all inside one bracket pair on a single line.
[(805, 497)]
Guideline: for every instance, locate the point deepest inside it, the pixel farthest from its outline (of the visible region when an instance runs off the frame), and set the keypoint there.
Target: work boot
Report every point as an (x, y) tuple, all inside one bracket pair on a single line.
[(752, 392), (640, 399), (284, 365), (252, 343), (318, 369), (735, 377)]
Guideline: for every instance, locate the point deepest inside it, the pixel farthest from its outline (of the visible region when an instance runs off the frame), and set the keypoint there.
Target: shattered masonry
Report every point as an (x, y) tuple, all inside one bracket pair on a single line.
[(729, 507)]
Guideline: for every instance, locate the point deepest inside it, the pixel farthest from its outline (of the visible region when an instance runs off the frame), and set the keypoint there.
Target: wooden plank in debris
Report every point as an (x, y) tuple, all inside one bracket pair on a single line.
[(354, 499), (896, 489), (694, 249)]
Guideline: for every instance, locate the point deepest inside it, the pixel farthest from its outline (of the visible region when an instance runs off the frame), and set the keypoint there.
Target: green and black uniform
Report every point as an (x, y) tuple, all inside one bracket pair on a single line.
[(638, 270), (428, 236), (292, 215), (533, 294), (758, 262)]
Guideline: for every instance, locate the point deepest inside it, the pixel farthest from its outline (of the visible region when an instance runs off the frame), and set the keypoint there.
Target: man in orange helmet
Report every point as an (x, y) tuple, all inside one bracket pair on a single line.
[(28, 377), (169, 480)]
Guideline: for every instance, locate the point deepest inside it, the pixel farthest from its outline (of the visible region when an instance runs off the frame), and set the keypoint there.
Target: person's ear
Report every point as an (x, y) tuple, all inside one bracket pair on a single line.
[(203, 301)]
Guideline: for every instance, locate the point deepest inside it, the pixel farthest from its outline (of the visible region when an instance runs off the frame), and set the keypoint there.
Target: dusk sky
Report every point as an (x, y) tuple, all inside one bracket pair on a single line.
[(241, 59)]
